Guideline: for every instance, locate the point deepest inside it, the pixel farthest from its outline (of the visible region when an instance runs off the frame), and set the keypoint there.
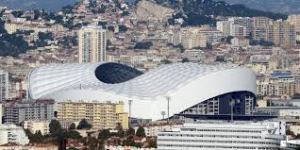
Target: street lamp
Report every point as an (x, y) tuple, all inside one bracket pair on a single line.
[(163, 113), (129, 103), (168, 100)]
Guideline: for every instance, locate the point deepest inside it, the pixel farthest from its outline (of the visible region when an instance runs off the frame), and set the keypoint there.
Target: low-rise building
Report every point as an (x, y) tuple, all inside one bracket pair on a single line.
[(13, 146), (153, 129), (219, 135), (290, 145), (240, 42), (295, 129), (36, 125), (10, 133)]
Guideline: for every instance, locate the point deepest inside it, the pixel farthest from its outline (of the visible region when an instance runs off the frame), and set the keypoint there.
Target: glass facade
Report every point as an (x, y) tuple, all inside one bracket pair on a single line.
[(242, 103)]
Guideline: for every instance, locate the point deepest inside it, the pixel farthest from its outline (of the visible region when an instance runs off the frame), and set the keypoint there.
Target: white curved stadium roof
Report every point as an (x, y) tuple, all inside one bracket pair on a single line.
[(186, 84)]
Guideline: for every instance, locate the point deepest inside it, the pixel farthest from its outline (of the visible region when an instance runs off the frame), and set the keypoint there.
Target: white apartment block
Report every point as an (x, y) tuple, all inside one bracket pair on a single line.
[(91, 44), (218, 135), (10, 133), (35, 125), (3, 85)]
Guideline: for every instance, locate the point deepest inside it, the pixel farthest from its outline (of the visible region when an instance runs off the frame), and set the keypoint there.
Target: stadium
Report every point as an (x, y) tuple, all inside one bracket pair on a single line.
[(189, 87)]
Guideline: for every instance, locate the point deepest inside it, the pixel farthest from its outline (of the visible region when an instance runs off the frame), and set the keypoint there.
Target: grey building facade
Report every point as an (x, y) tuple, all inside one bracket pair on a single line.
[(17, 112)]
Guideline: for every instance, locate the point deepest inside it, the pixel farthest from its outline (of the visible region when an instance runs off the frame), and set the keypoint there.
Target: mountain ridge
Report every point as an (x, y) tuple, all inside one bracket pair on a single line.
[(277, 6)]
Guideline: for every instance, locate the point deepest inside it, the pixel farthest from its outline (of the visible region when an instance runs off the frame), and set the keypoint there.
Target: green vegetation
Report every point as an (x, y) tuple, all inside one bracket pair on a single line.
[(104, 134), (261, 42), (130, 132), (36, 137), (185, 60), (143, 45), (84, 124), (199, 12), (140, 132), (11, 44), (73, 135), (296, 96), (55, 128), (72, 126), (122, 28)]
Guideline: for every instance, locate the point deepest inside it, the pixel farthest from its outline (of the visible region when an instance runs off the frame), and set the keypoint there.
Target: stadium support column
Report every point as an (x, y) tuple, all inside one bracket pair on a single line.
[(232, 104), (129, 103), (168, 100)]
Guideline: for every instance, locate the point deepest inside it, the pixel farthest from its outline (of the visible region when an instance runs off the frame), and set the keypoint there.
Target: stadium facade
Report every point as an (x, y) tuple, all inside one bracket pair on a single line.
[(190, 88)]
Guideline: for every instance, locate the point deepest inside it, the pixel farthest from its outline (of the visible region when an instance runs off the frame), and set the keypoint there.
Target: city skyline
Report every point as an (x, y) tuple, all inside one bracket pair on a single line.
[(149, 75)]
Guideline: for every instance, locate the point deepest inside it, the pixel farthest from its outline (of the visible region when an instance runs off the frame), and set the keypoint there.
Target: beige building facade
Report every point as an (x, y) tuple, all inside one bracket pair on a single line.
[(101, 115), (91, 44), (35, 125)]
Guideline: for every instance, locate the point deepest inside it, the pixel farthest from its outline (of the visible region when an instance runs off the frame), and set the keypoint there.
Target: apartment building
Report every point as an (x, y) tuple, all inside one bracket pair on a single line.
[(13, 27), (17, 112), (100, 115), (278, 84), (238, 30), (4, 91), (224, 27), (92, 44), (284, 34), (294, 20), (281, 33)]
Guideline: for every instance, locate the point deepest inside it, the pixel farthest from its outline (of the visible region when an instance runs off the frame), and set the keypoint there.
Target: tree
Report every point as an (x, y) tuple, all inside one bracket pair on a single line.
[(140, 132), (153, 143), (17, 13), (180, 46), (130, 131), (129, 142), (289, 132), (72, 126), (73, 135), (83, 124), (184, 60), (104, 134), (143, 45), (111, 28), (55, 128), (296, 96), (72, 148), (166, 61), (102, 24), (121, 132), (122, 28), (228, 39)]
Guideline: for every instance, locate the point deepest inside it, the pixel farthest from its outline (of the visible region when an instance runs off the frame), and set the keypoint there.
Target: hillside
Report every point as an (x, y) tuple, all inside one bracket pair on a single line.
[(49, 5), (281, 6), (197, 12)]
